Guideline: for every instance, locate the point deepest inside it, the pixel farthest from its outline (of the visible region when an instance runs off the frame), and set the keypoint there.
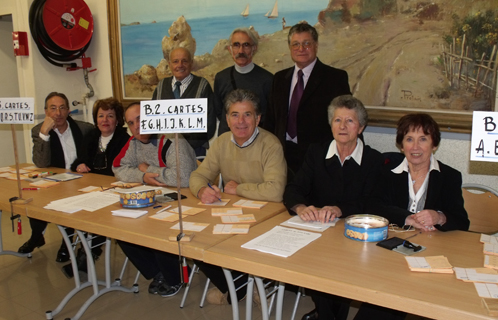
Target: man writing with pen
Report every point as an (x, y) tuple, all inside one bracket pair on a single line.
[(251, 163)]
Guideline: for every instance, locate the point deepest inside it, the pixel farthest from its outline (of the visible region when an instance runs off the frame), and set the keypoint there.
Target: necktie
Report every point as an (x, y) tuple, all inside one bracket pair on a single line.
[(294, 105), (176, 92)]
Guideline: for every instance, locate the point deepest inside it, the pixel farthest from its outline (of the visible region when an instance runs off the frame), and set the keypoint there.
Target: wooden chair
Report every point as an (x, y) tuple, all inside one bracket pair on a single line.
[(482, 208)]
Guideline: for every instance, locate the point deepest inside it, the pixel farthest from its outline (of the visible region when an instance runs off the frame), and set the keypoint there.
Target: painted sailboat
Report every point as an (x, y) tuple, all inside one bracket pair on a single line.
[(273, 13), (245, 13)]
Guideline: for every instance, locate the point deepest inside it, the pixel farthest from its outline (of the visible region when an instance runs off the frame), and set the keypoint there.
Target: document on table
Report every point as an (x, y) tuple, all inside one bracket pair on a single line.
[(297, 222), (231, 229), (282, 241), (243, 218), (491, 249), (129, 213), (226, 211), (476, 275), (435, 264), (489, 239), (91, 201), (67, 176), (487, 290), (191, 226), (223, 202)]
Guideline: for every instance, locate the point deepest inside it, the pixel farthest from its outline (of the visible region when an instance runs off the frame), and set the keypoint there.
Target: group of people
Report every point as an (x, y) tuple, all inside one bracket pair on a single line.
[(296, 137)]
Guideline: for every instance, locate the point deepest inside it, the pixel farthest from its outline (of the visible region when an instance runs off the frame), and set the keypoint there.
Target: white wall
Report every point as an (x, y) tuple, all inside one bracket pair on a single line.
[(37, 78)]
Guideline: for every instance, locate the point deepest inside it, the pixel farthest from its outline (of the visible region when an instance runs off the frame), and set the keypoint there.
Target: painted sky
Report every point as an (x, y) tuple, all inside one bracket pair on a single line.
[(167, 10)]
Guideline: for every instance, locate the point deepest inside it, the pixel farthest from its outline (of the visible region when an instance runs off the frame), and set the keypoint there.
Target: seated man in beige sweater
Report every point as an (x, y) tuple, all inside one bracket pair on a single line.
[(252, 165)]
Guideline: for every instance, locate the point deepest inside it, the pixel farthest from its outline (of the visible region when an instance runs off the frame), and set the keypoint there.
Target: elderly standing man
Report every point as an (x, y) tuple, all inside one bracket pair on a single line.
[(57, 142), (300, 95), (252, 165), (244, 74), (184, 85)]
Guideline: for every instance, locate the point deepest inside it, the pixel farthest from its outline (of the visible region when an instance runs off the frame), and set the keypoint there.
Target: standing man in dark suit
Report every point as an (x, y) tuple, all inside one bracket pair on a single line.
[(300, 96), (57, 142)]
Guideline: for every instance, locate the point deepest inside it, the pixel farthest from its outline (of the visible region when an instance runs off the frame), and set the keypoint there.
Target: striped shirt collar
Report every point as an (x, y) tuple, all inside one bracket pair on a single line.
[(185, 83), (249, 141)]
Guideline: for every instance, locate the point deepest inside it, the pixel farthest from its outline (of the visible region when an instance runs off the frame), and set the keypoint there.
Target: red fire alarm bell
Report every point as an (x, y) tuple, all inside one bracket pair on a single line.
[(20, 43)]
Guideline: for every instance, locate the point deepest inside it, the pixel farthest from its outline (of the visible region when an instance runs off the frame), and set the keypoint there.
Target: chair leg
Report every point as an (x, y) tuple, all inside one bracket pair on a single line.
[(296, 303), (203, 299), (195, 269)]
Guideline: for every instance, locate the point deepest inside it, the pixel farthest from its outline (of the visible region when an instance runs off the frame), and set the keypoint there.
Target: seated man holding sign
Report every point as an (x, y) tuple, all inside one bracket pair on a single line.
[(151, 159), (251, 163)]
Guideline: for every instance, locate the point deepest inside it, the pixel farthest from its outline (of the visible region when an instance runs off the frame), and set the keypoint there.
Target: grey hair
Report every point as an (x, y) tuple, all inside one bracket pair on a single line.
[(184, 50), (302, 27), (351, 103), (242, 95), (248, 32)]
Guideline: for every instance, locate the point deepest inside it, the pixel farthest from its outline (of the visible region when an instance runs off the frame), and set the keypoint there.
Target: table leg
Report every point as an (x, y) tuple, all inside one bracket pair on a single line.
[(6, 252)]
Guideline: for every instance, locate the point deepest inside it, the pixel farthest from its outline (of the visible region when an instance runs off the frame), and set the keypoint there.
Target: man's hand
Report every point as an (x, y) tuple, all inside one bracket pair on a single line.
[(208, 195), (306, 213), (231, 187), (82, 168), (329, 213), (48, 124), (150, 179), (143, 167)]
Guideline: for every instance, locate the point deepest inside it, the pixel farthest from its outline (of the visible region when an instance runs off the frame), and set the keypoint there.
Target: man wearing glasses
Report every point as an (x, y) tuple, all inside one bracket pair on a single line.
[(57, 143), (244, 74), (297, 113)]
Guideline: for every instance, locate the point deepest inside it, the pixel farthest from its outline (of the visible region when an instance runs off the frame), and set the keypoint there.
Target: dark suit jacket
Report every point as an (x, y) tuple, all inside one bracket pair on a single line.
[(325, 83), (444, 193), (91, 145), (324, 182)]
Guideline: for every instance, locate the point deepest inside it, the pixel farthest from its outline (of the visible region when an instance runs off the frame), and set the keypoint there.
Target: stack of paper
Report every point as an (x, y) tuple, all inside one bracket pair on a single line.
[(250, 204), (297, 222), (221, 202), (476, 275), (435, 264), (166, 216), (218, 212), (43, 184), (128, 213), (231, 229), (243, 218), (67, 176), (191, 226), (491, 249), (188, 211), (91, 201)]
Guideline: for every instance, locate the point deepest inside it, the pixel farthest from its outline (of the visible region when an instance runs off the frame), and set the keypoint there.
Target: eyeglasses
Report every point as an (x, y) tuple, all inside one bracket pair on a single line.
[(61, 108), (406, 228), (306, 45), (237, 45)]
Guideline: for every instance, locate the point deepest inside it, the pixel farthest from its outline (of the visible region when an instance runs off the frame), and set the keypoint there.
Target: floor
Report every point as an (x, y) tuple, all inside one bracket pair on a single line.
[(30, 287)]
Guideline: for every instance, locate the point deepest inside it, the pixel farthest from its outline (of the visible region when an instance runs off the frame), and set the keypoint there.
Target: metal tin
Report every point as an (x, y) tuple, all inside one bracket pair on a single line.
[(366, 228), (137, 199)]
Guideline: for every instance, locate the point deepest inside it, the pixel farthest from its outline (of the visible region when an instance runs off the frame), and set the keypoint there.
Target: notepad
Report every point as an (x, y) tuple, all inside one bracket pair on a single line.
[(250, 204), (491, 261), (128, 213), (43, 184), (67, 176), (243, 218), (476, 275), (297, 222), (166, 216), (188, 211), (223, 202), (191, 226), (434, 264), (217, 212), (490, 249), (231, 229), (489, 239)]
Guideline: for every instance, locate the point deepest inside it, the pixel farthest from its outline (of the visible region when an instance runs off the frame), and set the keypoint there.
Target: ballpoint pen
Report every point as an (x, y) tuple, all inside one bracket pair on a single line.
[(31, 188), (209, 185), (164, 209)]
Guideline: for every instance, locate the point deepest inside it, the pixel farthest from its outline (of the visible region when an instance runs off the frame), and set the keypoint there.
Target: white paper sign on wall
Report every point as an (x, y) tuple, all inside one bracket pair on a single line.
[(484, 146), (17, 110), (173, 115)]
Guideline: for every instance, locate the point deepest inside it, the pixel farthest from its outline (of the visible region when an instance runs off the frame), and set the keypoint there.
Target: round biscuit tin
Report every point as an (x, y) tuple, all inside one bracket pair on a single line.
[(366, 227), (137, 199)]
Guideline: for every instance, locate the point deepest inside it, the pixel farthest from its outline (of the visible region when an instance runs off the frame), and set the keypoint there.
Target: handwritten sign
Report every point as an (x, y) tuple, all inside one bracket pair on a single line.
[(17, 110), (484, 146), (174, 115)]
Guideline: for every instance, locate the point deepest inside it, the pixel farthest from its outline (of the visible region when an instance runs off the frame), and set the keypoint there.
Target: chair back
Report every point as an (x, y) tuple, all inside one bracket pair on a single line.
[(482, 208)]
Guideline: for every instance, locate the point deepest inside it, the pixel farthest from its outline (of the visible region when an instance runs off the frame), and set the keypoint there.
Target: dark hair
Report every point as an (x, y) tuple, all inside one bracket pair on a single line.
[(131, 105), (109, 104), (241, 95), (56, 94), (302, 27), (414, 121)]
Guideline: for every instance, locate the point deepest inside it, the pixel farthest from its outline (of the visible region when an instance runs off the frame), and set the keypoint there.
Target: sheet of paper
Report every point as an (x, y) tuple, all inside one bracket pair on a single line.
[(186, 210), (490, 249), (231, 229), (128, 213), (216, 212), (476, 275), (489, 239), (91, 201), (191, 226), (250, 204), (6, 169), (282, 241), (244, 218), (223, 202), (90, 189), (491, 261), (418, 262), (297, 222), (67, 176), (166, 216), (487, 290), (43, 183)]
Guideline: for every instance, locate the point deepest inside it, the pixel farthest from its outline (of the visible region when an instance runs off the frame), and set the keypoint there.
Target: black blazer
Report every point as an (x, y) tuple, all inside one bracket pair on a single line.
[(324, 182), (325, 83), (91, 145), (444, 193)]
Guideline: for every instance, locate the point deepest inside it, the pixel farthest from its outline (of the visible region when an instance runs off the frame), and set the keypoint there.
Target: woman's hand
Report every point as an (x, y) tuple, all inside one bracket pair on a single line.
[(82, 168), (425, 220)]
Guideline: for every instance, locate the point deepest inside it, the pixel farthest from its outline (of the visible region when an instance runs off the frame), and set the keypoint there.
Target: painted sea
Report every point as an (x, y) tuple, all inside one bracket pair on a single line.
[(142, 43)]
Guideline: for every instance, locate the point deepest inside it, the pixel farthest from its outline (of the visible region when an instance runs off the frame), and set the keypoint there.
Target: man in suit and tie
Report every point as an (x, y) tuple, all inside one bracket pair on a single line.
[(184, 85), (300, 95)]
